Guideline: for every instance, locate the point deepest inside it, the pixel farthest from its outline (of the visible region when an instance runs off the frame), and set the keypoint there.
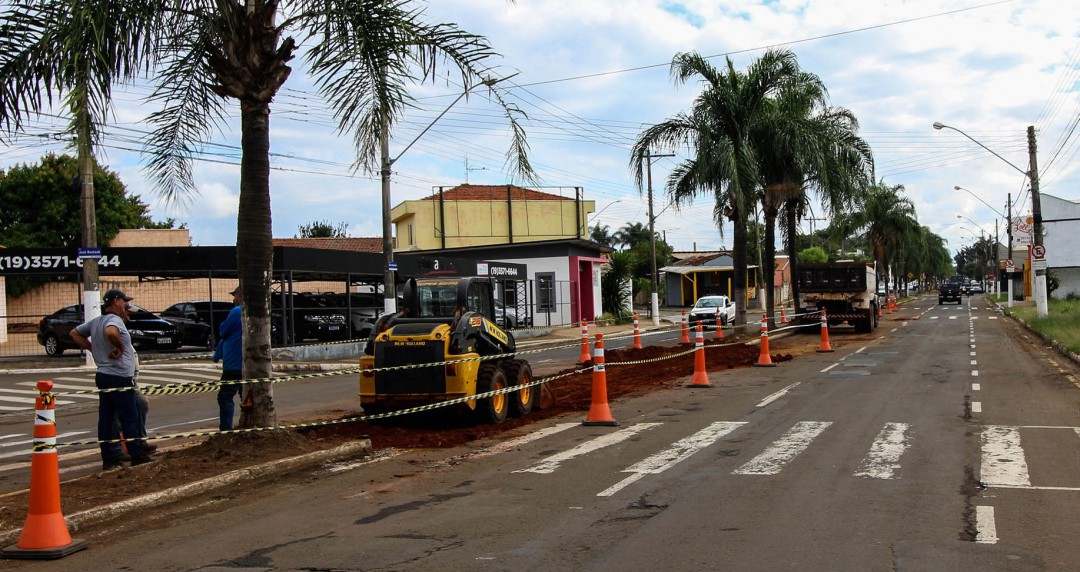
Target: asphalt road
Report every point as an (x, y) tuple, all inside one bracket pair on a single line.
[(946, 442)]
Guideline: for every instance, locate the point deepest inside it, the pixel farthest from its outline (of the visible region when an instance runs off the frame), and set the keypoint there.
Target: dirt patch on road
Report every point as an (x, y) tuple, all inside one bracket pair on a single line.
[(629, 372)]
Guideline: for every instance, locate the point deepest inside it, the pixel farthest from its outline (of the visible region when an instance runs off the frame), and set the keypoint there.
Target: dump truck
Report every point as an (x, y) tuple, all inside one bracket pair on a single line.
[(448, 322), (847, 291)]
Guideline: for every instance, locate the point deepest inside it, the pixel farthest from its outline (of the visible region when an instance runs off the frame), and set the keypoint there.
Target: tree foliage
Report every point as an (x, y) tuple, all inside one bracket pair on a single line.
[(813, 255), (323, 229), (363, 56), (615, 287), (41, 207)]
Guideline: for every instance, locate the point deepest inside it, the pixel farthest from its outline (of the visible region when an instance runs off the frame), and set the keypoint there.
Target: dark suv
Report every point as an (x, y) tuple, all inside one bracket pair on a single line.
[(198, 321), (950, 290), (363, 309), (305, 317), (148, 332)]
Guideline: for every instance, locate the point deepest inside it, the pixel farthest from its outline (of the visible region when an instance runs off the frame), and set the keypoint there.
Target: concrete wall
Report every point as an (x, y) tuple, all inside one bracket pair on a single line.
[(151, 237), (477, 223)]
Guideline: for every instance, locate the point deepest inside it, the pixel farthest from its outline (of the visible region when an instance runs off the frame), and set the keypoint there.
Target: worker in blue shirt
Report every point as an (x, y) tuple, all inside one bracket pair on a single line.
[(230, 349)]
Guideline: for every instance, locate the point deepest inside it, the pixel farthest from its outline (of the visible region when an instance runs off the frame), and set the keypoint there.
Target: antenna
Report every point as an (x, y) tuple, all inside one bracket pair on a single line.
[(468, 168)]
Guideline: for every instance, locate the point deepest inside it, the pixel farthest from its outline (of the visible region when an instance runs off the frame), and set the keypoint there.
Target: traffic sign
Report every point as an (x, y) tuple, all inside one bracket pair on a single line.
[(1038, 264), (392, 267), (1038, 251), (1009, 263), (90, 252)]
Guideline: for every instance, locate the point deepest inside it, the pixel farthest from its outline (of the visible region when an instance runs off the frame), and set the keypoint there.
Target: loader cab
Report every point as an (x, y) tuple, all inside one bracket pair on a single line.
[(442, 298)]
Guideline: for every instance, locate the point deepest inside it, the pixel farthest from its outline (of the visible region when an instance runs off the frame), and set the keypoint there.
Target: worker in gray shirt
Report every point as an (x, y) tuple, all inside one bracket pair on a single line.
[(108, 339)]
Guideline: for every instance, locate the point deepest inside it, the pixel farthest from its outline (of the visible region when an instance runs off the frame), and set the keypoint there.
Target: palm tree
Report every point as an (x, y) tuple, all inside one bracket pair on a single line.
[(888, 219), (362, 55), (631, 233), (55, 47), (803, 144), (721, 161), (601, 234)]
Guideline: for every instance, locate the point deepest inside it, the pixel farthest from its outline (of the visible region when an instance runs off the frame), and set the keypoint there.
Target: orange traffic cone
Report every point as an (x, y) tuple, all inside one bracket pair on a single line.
[(584, 342), (700, 379), (764, 360), (637, 333), (719, 330), (599, 412), (825, 346), (783, 316), (685, 339), (45, 535), (888, 305), (879, 310)]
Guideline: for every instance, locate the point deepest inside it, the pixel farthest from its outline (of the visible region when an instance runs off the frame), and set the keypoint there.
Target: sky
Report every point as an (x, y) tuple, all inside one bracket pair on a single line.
[(591, 75)]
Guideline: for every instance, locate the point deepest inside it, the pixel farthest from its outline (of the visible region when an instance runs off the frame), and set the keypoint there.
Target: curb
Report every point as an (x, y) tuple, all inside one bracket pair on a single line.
[(105, 513)]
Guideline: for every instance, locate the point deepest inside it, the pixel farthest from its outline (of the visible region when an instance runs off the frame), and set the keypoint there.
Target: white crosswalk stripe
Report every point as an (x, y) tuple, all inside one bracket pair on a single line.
[(19, 399), (777, 456), (1003, 462), (679, 451), (883, 460), (550, 464)]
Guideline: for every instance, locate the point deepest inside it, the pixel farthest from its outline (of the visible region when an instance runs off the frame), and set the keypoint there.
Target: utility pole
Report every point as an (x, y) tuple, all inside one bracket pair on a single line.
[(91, 278), (1008, 273), (389, 291), (655, 297), (1036, 214)]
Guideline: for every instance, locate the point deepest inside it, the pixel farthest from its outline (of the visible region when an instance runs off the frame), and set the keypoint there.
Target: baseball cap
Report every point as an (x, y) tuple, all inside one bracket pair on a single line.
[(113, 295), (235, 290)]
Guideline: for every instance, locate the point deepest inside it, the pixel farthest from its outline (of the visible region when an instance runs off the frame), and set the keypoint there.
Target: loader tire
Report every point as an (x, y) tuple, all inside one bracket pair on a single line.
[(522, 401), (491, 409)]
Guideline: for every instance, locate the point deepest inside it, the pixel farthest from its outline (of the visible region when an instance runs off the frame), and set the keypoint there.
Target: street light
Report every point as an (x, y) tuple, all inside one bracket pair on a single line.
[(1008, 232), (979, 226), (959, 188), (1036, 206), (596, 214)]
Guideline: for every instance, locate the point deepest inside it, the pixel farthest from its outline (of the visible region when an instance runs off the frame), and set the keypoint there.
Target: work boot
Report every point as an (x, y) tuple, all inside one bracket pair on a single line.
[(150, 448), (107, 466), (141, 460)]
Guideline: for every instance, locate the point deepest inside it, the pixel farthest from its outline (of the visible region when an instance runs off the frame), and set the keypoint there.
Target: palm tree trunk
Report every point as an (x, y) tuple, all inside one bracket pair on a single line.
[(738, 260), (790, 209), (769, 264), (254, 259)]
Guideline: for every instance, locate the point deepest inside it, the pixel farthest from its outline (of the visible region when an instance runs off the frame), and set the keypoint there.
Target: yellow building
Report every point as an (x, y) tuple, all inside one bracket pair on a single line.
[(478, 215)]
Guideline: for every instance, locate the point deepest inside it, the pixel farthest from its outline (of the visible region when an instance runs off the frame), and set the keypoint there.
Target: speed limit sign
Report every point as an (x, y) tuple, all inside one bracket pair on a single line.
[(1038, 251)]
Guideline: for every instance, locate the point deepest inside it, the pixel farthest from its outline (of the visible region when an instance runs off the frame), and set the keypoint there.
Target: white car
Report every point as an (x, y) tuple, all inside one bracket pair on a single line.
[(713, 310)]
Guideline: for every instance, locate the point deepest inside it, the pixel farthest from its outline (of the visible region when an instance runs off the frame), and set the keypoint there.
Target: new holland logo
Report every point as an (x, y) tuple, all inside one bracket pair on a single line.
[(495, 331)]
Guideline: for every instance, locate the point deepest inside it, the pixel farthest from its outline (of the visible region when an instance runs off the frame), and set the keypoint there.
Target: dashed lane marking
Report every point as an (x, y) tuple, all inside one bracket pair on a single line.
[(782, 392), (985, 527)]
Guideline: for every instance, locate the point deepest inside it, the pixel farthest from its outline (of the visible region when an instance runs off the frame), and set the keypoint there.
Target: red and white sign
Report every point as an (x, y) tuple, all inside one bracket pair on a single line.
[(1038, 251)]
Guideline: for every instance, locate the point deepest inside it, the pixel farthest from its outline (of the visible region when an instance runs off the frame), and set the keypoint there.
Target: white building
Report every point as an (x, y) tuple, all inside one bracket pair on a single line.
[(1061, 226)]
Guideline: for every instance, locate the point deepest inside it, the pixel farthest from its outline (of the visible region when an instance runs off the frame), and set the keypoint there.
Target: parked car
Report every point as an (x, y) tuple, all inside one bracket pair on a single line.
[(311, 316), (712, 311), (148, 332), (198, 321), (507, 316), (363, 310)]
